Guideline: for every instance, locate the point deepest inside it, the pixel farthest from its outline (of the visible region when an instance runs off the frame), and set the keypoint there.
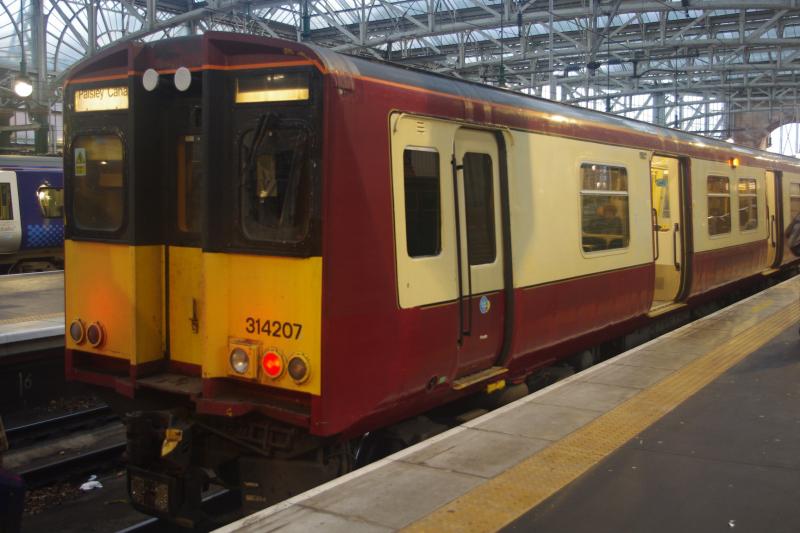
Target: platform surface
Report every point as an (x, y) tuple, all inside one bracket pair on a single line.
[(727, 459), (681, 432), (31, 308)]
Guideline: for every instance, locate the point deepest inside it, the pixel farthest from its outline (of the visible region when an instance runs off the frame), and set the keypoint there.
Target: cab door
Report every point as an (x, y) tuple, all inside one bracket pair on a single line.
[(481, 299), (10, 226), (183, 150)]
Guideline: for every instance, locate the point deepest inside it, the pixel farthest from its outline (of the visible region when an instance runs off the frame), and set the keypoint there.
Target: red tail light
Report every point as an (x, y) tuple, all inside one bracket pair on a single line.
[(272, 364)]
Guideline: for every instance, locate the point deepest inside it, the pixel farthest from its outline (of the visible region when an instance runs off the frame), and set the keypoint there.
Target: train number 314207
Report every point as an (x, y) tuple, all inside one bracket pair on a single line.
[(273, 328)]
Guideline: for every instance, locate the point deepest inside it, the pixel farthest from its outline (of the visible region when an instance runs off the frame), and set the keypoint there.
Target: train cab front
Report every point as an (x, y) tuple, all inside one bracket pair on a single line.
[(193, 257)]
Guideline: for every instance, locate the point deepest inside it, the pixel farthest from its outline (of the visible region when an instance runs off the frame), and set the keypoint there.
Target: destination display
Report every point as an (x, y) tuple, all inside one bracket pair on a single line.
[(101, 99)]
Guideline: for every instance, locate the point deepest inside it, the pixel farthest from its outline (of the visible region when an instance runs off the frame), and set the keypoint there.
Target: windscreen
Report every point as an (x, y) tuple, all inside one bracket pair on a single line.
[(274, 165), (97, 189)]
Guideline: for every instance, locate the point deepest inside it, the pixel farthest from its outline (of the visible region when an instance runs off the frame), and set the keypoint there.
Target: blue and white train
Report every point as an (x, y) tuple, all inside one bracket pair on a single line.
[(31, 213)]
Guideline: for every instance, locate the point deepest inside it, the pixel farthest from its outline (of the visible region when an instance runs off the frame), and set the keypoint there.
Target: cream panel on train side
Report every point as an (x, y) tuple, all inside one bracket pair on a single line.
[(717, 226), (546, 208)]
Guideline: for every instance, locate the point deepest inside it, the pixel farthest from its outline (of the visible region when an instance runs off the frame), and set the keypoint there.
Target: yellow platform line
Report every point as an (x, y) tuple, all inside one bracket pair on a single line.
[(501, 500), (31, 318)]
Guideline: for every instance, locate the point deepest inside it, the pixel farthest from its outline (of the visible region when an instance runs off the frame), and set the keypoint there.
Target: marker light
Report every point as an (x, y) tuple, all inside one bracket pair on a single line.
[(183, 79), (272, 364), (298, 369), (239, 360), (77, 331), (734, 162), (150, 79), (94, 334)]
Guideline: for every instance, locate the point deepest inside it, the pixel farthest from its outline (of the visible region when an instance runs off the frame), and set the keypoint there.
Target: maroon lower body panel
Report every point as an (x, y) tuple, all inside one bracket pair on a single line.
[(565, 312), (714, 268)]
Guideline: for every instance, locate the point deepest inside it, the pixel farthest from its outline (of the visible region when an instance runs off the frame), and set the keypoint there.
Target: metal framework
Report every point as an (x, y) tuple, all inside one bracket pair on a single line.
[(725, 68)]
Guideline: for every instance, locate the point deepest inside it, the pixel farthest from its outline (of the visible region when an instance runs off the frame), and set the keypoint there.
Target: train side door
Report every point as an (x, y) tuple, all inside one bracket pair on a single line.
[(476, 179), (10, 225), (668, 230), (774, 218)]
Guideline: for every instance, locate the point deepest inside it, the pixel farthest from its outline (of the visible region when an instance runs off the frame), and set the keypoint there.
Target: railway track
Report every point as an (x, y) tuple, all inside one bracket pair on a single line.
[(25, 434), (90, 460), (65, 446)]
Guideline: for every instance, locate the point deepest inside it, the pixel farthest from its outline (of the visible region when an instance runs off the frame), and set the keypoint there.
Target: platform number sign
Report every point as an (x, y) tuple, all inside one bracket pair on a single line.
[(80, 161)]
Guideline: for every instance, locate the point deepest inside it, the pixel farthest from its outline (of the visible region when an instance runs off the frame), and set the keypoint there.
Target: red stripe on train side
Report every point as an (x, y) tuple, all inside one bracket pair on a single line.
[(714, 268)]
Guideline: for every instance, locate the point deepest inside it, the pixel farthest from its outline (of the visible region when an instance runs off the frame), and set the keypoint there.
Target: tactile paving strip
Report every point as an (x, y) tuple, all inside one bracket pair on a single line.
[(501, 500)]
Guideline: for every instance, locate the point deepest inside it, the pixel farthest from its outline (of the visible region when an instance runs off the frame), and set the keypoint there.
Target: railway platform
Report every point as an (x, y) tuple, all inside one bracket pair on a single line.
[(31, 312), (697, 430)]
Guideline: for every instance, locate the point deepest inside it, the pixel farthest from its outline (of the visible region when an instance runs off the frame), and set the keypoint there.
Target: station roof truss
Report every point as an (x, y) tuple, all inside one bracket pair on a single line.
[(690, 64)]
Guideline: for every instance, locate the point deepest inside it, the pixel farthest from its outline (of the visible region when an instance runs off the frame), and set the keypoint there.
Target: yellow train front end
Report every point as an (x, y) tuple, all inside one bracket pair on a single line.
[(193, 264), (157, 308)]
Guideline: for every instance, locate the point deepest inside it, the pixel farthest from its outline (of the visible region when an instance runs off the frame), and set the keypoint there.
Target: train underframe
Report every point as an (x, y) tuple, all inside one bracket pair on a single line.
[(175, 457)]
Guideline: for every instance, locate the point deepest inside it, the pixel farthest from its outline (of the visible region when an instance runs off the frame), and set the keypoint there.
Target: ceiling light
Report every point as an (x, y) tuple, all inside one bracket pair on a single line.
[(23, 86)]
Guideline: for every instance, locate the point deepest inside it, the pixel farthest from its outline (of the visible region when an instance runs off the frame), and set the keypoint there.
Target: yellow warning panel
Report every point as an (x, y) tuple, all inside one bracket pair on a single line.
[(119, 287)]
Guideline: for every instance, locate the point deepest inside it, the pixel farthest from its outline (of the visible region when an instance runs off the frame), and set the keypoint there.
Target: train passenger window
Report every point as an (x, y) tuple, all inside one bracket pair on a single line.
[(6, 208), (51, 201), (423, 205), (719, 205), (97, 195), (479, 203), (190, 175), (604, 207), (748, 204), (794, 200), (274, 162)]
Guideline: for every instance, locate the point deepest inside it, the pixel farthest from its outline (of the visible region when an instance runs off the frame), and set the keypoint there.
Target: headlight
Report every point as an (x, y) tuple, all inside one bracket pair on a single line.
[(240, 361), (77, 331), (298, 368), (95, 334)]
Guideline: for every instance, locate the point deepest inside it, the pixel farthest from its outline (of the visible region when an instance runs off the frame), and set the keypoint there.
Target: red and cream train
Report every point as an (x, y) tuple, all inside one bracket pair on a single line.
[(273, 248)]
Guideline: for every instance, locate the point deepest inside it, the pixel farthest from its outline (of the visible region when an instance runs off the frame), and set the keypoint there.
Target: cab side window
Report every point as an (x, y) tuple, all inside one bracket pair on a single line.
[(719, 205), (604, 207), (423, 205), (479, 202)]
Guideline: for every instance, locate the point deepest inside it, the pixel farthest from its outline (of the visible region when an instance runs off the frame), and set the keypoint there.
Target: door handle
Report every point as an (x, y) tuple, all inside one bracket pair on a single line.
[(773, 231), (675, 231), (193, 319), (459, 256), (656, 229)]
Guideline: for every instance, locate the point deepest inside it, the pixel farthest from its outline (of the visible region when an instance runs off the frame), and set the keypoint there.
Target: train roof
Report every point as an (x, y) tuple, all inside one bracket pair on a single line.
[(30, 162), (197, 52), (402, 74)]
